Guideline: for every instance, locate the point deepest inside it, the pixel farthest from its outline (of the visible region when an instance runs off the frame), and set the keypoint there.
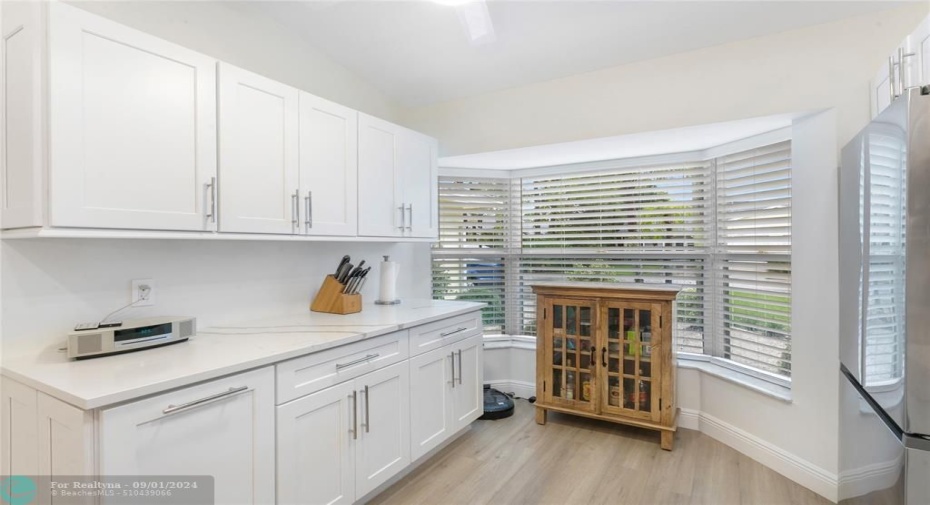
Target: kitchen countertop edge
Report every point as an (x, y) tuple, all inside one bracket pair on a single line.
[(108, 400)]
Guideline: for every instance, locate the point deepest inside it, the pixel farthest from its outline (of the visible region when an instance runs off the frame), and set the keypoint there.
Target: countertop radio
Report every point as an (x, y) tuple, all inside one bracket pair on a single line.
[(130, 336)]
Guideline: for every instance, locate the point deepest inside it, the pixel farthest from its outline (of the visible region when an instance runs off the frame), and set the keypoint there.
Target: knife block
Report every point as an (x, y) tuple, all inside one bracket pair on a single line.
[(331, 299)]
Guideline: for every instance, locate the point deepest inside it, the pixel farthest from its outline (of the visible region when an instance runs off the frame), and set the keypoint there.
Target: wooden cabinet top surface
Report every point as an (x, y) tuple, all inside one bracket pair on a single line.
[(608, 290)]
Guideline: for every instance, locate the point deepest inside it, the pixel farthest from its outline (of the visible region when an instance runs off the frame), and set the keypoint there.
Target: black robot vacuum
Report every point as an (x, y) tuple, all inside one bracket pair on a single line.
[(497, 405)]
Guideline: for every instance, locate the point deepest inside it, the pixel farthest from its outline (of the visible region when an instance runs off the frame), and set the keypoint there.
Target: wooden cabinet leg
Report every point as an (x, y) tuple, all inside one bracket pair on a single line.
[(541, 415), (668, 439)]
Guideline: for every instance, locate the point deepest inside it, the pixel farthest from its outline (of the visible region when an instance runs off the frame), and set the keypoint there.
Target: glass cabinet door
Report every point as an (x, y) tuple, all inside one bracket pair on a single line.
[(630, 377), (571, 352)]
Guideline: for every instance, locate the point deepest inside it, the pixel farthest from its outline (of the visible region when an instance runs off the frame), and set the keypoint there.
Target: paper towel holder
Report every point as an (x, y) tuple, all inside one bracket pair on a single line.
[(386, 302)]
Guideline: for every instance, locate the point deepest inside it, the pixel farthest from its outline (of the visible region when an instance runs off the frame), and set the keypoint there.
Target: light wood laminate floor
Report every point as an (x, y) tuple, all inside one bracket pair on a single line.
[(572, 460)]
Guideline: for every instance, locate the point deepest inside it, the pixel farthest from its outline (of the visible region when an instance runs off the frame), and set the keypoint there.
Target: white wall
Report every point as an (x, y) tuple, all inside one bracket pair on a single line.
[(815, 68), (235, 33), (49, 285)]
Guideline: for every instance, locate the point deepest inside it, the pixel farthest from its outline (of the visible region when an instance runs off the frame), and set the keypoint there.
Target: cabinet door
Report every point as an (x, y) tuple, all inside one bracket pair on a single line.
[(920, 46), (19, 429), (418, 171), (384, 426), (328, 167), (631, 380), (881, 90), (431, 391), (570, 353), (316, 452), (224, 428), (380, 213), (132, 127), (468, 390), (66, 435), (23, 164), (258, 169)]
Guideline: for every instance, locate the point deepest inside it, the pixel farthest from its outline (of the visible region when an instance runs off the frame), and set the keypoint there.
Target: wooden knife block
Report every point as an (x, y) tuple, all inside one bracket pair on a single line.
[(331, 299)]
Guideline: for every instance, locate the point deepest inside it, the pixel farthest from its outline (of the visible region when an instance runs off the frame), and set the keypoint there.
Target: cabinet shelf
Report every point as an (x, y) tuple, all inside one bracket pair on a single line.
[(635, 388)]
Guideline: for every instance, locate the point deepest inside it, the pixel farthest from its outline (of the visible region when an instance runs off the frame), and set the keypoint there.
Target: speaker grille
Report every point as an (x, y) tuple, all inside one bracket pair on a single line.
[(88, 344), (186, 328)]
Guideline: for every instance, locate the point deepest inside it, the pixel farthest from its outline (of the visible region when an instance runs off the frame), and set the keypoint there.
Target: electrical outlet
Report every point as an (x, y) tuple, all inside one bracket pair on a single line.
[(143, 292)]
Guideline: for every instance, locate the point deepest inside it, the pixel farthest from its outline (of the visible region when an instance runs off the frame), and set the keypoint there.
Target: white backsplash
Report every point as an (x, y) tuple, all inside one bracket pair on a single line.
[(49, 285)]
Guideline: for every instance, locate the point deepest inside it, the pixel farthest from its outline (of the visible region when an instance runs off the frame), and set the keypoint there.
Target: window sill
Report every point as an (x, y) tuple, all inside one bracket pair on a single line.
[(764, 387), (694, 362)]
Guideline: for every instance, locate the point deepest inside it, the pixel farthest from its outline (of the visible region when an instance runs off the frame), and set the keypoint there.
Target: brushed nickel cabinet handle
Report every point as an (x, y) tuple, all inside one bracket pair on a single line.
[(211, 214), (460, 367), (902, 82), (453, 332), (891, 78), (452, 360), (367, 409), (308, 202), (295, 210), (355, 362), (354, 416), (172, 409), (410, 212)]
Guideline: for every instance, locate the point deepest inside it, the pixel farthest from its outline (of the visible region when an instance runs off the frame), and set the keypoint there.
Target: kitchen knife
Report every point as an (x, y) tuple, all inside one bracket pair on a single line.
[(343, 274), (345, 259), (357, 269)]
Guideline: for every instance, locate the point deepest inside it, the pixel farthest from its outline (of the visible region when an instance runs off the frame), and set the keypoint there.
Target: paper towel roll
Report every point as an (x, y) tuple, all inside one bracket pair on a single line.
[(388, 291)]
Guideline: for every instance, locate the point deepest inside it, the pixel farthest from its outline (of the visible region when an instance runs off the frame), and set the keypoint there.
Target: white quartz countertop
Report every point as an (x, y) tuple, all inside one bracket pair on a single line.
[(211, 353)]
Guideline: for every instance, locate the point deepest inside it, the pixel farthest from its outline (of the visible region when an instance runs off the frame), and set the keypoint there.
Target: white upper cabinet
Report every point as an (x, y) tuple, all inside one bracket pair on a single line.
[(919, 42), (419, 172), (23, 30), (328, 167), (258, 163), (398, 174), (380, 213), (131, 127), (907, 66), (110, 128)]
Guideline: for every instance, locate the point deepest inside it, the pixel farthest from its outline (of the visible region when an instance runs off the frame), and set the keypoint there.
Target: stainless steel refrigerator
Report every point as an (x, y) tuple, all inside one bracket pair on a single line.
[(884, 240)]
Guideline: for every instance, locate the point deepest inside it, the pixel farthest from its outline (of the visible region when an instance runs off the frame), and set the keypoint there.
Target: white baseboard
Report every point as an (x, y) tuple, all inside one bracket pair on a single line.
[(519, 388), (799, 470), (868, 478)]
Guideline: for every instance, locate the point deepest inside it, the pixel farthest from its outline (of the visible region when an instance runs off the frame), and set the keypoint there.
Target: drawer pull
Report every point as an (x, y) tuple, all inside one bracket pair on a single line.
[(453, 332), (340, 366), (171, 409)]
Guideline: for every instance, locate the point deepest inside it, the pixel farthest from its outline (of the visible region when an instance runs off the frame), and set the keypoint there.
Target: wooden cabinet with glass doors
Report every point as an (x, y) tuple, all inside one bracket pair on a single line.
[(605, 351)]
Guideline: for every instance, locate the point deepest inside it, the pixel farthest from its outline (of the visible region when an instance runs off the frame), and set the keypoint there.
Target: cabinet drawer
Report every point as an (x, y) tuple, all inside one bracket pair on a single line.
[(437, 334), (311, 373)]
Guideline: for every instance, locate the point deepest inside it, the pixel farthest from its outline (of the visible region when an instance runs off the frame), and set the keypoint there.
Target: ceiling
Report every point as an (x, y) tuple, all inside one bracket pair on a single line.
[(678, 140), (417, 53)]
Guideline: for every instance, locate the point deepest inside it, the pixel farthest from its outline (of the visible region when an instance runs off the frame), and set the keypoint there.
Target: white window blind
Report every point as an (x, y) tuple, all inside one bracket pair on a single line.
[(474, 241), (884, 324), (720, 229), (661, 208), (752, 260)]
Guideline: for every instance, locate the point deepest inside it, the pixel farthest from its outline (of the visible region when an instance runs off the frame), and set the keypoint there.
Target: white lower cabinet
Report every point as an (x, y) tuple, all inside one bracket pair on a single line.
[(446, 393), (351, 418), (223, 428), (339, 444)]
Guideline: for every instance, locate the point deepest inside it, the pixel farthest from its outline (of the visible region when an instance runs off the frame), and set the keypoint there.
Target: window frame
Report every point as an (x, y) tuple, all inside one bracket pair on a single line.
[(710, 254)]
